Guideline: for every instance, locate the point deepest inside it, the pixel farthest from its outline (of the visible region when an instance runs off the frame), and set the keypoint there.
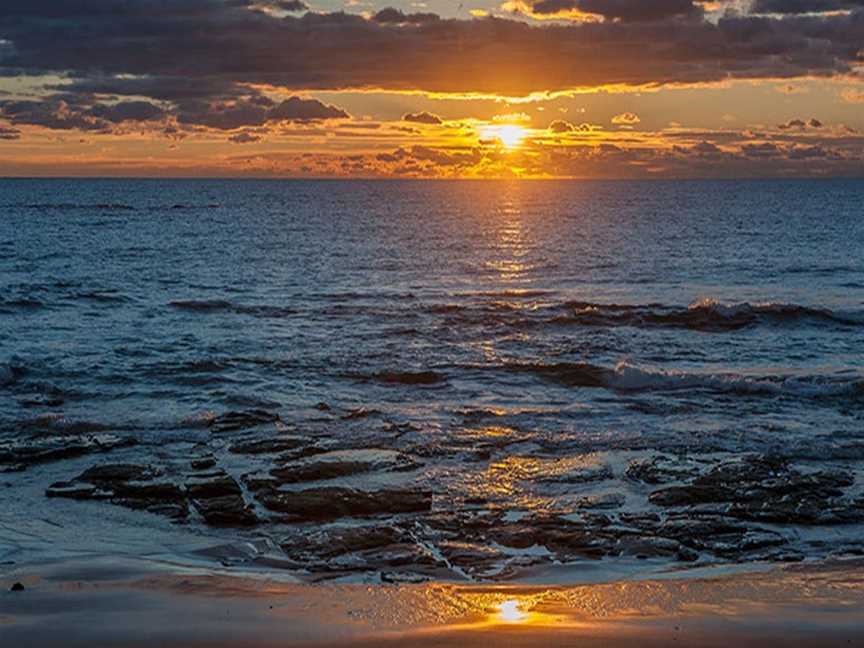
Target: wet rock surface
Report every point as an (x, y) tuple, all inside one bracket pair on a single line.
[(381, 500), (330, 502), (268, 446), (767, 490), (18, 456), (234, 421), (219, 499), (133, 486)]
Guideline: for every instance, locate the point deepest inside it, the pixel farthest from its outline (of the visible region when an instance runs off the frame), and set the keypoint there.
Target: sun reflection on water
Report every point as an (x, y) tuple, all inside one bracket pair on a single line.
[(509, 612)]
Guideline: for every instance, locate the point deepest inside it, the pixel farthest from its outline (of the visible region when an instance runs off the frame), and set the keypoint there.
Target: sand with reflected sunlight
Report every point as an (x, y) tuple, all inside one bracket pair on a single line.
[(784, 606)]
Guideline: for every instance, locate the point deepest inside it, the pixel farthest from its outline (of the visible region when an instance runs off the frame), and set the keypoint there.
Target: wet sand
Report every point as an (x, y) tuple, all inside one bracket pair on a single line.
[(104, 602)]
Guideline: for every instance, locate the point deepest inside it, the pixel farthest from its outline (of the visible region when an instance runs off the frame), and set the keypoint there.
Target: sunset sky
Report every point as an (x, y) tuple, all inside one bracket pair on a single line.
[(434, 88)]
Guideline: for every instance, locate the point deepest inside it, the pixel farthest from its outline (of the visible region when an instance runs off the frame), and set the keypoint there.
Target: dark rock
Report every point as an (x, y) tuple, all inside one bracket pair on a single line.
[(320, 470), (267, 446), (219, 499), (334, 502), (765, 489), (338, 541), (203, 464), (563, 537), (649, 547), (118, 473), (226, 511), (322, 407), (26, 453), (659, 470), (126, 485), (344, 463), (215, 484), (718, 535), (235, 421), (17, 587), (472, 558), (688, 495)]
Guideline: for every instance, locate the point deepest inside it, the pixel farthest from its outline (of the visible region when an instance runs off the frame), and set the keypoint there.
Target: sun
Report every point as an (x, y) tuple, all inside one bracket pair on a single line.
[(510, 612), (510, 135)]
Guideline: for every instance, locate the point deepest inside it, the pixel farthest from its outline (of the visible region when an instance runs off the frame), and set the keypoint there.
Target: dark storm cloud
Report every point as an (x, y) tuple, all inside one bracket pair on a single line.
[(422, 118), (394, 16), (68, 111), (623, 10), (297, 109), (803, 6), (127, 111), (256, 110), (292, 5), (54, 113), (196, 53)]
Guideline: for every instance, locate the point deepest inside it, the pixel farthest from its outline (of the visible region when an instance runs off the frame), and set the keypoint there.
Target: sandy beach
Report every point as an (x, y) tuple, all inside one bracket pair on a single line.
[(105, 602)]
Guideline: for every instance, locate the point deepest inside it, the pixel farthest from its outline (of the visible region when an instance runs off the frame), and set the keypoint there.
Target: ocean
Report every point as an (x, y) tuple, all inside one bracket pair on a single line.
[(459, 380)]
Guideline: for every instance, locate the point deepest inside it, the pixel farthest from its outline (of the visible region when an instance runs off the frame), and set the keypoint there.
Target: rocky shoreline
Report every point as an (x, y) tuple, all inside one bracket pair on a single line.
[(376, 508)]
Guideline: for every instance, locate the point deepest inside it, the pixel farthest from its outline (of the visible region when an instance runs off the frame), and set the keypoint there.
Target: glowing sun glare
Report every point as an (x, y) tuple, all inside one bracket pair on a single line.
[(509, 611), (509, 135)]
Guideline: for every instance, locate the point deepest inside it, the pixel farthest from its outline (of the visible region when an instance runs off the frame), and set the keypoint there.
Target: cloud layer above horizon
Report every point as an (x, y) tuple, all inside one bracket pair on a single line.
[(183, 69)]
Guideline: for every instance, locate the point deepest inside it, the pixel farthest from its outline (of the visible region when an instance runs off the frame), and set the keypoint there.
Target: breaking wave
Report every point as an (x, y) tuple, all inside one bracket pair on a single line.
[(704, 315), (225, 306), (625, 377)]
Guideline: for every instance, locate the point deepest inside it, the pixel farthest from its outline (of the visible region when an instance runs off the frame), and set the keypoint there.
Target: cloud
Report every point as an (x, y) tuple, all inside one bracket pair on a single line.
[(626, 119), (292, 5), (58, 113), (852, 95), (803, 6), (217, 50), (610, 10), (512, 118), (639, 10), (396, 17), (245, 137), (255, 110), (127, 111), (422, 118), (297, 109), (562, 126), (800, 124), (7, 133), (71, 111), (761, 150)]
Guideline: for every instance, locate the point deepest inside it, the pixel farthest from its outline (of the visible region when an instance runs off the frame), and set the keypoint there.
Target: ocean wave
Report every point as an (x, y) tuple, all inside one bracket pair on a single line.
[(225, 306), (410, 377), (189, 206), (625, 377), (19, 304), (103, 296), (705, 315), (10, 373), (107, 206), (73, 206), (708, 315)]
